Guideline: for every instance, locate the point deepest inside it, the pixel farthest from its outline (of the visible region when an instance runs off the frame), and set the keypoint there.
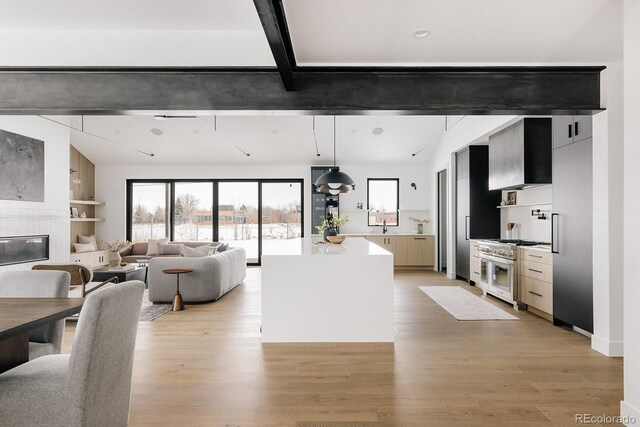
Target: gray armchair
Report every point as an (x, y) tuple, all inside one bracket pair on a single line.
[(90, 387), (38, 284)]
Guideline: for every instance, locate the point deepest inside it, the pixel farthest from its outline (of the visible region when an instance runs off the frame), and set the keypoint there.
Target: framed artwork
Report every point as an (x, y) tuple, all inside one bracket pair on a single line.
[(511, 198), (21, 168), (74, 213)]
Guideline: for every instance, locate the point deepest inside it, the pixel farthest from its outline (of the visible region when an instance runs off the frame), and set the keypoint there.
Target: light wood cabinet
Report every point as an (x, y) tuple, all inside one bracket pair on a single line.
[(408, 251), (535, 280), (93, 259)]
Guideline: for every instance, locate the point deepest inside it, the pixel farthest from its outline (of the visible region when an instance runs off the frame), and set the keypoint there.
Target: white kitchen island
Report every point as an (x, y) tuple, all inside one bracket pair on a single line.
[(327, 293)]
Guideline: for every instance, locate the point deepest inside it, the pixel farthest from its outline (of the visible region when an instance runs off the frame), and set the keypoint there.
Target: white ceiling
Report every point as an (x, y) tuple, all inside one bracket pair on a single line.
[(324, 32), (271, 140), (462, 31)]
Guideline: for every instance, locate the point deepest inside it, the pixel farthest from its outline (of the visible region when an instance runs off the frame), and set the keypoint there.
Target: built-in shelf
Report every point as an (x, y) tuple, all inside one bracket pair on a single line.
[(85, 202), (524, 205), (87, 219)]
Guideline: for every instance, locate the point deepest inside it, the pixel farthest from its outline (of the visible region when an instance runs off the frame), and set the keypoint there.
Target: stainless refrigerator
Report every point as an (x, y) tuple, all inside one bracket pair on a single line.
[(572, 236)]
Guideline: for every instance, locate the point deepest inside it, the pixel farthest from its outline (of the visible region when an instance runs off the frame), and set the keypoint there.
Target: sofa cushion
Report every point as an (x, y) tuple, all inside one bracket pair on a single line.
[(152, 248), (199, 251), (170, 249), (88, 239)]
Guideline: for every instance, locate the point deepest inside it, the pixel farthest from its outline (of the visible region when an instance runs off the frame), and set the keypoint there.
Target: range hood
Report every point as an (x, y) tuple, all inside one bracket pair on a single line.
[(520, 155)]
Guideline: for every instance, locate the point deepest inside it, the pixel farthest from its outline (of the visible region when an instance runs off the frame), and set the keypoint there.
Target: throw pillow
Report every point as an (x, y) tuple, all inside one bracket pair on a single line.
[(223, 247), (169, 249), (83, 247), (200, 251), (88, 239), (152, 248)]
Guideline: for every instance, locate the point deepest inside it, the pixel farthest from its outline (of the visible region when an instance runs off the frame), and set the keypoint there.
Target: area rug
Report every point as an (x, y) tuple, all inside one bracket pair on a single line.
[(150, 311), (463, 305)]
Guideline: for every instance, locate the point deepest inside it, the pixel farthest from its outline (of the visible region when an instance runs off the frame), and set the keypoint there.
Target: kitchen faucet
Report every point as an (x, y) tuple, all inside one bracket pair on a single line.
[(384, 226)]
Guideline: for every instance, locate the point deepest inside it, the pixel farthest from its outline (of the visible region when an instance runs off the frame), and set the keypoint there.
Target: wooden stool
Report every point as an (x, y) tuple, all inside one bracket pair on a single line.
[(178, 305)]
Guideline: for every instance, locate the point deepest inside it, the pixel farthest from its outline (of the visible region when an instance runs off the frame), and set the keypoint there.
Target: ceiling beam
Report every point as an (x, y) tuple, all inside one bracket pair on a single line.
[(427, 91), (274, 23)]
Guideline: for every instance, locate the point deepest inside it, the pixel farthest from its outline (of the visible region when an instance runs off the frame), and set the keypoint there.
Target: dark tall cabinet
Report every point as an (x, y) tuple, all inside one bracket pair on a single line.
[(477, 215), (321, 204), (572, 221)]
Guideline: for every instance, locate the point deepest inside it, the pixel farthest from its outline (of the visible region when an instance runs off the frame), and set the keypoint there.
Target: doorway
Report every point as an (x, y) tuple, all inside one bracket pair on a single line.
[(442, 221)]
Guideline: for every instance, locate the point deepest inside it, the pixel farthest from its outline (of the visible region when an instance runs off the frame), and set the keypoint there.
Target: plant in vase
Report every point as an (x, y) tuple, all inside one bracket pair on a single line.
[(329, 226), (114, 247), (421, 222)]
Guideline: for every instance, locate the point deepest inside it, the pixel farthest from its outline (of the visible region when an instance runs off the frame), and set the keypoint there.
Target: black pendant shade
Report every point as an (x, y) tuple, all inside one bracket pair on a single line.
[(334, 182)]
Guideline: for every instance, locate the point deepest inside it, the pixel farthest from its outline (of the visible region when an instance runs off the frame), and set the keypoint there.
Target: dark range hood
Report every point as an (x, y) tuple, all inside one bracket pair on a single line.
[(521, 155)]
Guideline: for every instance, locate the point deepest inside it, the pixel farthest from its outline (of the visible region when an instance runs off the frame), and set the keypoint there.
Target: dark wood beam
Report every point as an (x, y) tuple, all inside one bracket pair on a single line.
[(435, 91), (274, 23)]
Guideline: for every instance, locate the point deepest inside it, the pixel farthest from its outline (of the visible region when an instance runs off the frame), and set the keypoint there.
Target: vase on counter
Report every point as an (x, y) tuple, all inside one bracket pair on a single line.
[(114, 259), (330, 232), (420, 228)]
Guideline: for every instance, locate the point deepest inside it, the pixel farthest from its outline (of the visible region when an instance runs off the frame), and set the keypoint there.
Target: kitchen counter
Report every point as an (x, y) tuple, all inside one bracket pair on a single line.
[(307, 247), (541, 248), (389, 234)]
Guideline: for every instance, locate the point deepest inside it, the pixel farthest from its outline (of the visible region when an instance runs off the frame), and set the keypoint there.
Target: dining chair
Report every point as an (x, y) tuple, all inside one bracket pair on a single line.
[(81, 275), (38, 284), (92, 385)]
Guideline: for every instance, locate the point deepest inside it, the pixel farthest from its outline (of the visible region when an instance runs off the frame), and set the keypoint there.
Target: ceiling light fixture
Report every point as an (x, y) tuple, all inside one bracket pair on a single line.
[(421, 33), (334, 182), (96, 136), (156, 131), (214, 128), (377, 131), (315, 140), (165, 117)]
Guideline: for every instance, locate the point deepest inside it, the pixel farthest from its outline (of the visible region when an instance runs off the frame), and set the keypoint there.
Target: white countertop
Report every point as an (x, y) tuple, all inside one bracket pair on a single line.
[(540, 248), (352, 246), (389, 234)]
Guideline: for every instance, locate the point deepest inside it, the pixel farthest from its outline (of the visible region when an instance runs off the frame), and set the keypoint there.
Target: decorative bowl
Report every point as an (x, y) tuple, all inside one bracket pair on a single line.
[(336, 240)]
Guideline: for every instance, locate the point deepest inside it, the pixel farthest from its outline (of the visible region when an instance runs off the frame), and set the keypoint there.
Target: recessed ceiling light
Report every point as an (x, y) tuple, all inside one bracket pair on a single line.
[(377, 131), (117, 132), (196, 131), (421, 33), (353, 131), (156, 131), (274, 131)]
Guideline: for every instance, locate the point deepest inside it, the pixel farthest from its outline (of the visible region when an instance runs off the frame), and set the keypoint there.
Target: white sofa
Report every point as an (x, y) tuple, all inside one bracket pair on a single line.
[(212, 276)]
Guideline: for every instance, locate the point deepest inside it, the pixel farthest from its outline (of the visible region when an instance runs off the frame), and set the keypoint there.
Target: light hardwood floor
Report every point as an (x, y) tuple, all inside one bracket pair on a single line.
[(206, 366)]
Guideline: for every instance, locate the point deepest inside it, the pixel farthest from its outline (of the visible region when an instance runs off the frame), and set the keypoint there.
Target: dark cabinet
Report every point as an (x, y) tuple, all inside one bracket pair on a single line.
[(477, 216), (572, 238), (321, 204), (520, 155), (570, 129)]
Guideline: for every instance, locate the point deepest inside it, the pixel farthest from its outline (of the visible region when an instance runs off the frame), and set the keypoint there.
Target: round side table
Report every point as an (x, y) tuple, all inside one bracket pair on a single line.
[(178, 305)]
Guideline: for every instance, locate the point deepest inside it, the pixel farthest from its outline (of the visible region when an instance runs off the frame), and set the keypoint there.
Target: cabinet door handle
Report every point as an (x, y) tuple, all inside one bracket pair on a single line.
[(535, 256), (419, 238), (570, 135), (466, 227), (554, 230), (535, 293), (475, 272), (535, 271), (576, 128), (476, 256)]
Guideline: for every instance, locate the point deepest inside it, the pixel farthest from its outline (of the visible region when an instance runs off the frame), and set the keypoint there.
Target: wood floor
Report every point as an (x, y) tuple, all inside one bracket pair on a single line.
[(206, 366)]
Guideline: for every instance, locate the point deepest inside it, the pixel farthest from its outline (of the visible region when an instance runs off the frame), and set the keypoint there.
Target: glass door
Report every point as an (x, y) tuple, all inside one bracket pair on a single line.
[(193, 212), (281, 212), (238, 203)]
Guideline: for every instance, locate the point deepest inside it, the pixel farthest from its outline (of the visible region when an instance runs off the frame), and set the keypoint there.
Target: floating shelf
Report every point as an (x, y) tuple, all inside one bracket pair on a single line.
[(524, 205), (85, 202), (87, 219)]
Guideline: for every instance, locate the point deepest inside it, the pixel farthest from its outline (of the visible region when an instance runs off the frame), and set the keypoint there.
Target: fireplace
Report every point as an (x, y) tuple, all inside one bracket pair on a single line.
[(22, 249)]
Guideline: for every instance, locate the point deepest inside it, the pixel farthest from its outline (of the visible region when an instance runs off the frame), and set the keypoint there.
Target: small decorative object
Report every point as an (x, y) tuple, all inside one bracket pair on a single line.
[(329, 226), (503, 203), (511, 198), (122, 263), (74, 212), (510, 227), (336, 240), (92, 197), (83, 215), (113, 247), (421, 223)]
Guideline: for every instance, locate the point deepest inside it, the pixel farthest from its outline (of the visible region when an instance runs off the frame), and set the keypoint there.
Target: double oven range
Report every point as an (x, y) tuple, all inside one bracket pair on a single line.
[(499, 267)]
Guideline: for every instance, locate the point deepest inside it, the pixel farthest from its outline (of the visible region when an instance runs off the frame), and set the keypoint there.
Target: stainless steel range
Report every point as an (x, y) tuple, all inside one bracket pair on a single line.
[(499, 268)]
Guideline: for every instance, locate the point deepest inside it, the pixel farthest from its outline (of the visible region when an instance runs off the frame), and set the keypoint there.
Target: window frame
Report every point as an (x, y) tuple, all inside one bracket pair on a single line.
[(397, 180)]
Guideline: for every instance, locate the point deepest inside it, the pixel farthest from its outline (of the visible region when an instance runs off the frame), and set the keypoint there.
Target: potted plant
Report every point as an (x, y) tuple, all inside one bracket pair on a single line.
[(114, 247), (421, 223), (329, 226)]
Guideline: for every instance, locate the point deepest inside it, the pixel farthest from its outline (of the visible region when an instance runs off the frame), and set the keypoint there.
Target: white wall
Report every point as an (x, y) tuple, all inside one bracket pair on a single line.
[(18, 218), (529, 227), (631, 404), (111, 188)]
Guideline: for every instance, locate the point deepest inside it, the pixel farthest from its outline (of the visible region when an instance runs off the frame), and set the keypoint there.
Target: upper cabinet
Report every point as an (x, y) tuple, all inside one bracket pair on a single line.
[(520, 155), (569, 129)]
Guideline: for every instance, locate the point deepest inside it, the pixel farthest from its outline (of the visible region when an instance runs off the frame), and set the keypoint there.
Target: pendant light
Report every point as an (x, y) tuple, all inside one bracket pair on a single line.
[(334, 182)]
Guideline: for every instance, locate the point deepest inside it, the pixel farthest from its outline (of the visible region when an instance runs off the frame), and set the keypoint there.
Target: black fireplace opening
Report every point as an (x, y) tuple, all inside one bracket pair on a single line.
[(23, 249)]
